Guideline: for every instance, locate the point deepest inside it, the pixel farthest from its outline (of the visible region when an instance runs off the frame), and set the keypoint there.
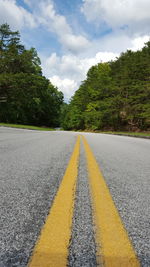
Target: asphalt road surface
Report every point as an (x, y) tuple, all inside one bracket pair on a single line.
[(32, 166)]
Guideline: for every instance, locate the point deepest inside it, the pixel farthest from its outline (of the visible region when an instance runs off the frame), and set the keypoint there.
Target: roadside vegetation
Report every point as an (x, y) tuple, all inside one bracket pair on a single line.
[(134, 134), (114, 97), (26, 96), (30, 127)]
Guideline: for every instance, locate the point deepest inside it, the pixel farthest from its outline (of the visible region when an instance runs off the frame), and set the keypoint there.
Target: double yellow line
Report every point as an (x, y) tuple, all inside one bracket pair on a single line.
[(114, 248)]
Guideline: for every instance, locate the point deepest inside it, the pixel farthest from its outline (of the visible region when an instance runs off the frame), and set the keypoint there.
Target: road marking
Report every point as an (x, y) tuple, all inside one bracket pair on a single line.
[(114, 246), (51, 249)]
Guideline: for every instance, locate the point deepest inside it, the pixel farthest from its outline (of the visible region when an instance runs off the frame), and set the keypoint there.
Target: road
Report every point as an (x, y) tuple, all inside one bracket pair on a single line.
[(73, 201)]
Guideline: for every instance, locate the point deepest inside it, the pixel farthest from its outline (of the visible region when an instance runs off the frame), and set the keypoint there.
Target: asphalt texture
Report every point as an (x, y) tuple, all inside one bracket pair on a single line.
[(32, 164), (125, 163), (82, 250)]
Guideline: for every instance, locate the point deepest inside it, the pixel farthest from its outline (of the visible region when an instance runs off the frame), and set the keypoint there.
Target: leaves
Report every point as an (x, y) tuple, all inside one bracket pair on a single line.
[(115, 95), (26, 96)]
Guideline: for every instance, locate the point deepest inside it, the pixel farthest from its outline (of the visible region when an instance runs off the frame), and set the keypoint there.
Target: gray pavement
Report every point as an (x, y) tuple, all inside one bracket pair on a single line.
[(82, 250), (32, 164), (125, 163)]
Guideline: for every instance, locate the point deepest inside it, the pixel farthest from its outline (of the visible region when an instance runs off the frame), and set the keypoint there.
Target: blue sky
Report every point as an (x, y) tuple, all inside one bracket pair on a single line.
[(72, 35)]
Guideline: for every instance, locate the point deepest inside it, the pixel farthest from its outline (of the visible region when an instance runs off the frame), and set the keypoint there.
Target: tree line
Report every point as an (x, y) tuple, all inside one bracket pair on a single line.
[(26, 96), (114, 96)]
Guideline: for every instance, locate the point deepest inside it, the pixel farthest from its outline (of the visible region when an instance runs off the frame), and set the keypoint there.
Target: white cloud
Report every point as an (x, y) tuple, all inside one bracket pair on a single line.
[(75, 44), (68, 71), (43, 13), (73, 66), (139, 42), (118, 42), (57, 23), (132, 13), (67, 86), (16, 16)]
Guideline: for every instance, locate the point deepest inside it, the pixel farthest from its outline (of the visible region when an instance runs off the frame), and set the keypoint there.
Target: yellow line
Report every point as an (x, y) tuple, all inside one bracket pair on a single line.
[(114, 246), (51, 249)]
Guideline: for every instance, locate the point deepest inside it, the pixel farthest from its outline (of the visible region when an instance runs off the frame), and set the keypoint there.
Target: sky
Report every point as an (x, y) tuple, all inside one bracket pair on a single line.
[(70, 36)]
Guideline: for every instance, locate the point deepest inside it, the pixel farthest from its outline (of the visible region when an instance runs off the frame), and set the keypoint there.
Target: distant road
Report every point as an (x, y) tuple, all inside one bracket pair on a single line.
[(73, 200)]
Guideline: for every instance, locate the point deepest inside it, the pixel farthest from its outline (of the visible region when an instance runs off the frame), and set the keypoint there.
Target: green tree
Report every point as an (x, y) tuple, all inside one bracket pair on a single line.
[(114, 96), (25, 95)]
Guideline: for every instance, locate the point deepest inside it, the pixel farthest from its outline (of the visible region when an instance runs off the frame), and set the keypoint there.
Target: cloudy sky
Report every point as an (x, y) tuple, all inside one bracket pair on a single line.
[(72, 35)]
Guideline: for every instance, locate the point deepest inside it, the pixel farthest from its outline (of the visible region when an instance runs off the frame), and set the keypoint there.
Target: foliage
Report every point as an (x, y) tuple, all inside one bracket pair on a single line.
[(26, 96), (115, 95)]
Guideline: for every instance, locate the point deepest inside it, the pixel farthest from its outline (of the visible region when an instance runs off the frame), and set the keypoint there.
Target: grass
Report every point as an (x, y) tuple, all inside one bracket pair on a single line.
[(140, 134), (29, 127), (134, 134)]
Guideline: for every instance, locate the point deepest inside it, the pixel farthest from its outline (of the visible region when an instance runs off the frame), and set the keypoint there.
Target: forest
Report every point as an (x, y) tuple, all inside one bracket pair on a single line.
[(115, 96), (26, 96)]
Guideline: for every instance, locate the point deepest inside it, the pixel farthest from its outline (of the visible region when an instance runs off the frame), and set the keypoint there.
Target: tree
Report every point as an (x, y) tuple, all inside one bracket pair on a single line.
[(25, 95), (114, 96)]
